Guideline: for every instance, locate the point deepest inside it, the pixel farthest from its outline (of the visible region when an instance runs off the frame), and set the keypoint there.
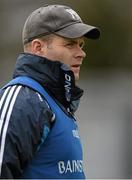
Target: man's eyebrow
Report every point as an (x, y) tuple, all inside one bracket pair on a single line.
[(71, 40), (74, 40)]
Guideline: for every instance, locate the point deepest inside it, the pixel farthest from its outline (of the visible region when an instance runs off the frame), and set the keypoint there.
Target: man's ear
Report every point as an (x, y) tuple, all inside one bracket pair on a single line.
[(37, 47)]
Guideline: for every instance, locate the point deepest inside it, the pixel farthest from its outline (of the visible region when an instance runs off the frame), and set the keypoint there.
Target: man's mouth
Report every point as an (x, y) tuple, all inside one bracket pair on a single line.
[(75, 67)]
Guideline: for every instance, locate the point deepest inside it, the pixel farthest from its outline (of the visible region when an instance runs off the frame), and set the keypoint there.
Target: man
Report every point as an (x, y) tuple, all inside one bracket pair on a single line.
[(39, 133)]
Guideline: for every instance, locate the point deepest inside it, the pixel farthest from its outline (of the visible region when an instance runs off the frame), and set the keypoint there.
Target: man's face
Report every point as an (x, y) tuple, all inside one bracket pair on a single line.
[(67, 51)]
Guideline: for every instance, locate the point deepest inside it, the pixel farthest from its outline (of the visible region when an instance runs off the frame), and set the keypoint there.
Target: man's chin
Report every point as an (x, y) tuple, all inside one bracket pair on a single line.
[(76, 77)]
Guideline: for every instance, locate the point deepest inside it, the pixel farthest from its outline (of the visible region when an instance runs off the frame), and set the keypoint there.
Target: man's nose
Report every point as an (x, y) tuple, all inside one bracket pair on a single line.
[(84, 54), (81, 52)]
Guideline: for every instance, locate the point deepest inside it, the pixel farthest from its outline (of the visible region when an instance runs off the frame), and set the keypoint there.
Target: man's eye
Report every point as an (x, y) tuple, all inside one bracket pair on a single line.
[(81, 45), (69, 44)]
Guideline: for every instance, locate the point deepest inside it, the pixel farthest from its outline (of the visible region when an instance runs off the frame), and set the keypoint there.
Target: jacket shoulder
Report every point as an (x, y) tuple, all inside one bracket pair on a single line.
[(24, 114)]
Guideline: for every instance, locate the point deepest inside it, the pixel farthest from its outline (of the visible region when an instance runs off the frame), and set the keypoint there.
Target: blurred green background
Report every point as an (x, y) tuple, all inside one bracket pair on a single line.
[(106, 76)]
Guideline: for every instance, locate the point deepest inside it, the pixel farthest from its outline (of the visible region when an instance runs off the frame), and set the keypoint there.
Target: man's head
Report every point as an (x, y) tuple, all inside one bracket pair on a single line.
[(57, 32)]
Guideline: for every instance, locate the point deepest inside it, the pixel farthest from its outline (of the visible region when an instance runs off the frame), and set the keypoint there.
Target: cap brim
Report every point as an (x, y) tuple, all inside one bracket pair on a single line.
[(79, 30)]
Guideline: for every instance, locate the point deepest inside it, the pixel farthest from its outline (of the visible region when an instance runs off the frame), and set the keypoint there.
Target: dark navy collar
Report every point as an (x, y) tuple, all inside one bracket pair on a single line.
[(55, 76)]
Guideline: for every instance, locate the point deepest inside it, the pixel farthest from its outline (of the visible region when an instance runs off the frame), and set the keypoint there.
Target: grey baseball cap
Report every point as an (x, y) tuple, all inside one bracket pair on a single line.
[(58, 19)]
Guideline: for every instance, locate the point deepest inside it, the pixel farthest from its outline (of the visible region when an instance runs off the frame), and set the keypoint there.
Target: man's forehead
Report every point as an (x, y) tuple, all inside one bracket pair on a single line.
[(64, 39)]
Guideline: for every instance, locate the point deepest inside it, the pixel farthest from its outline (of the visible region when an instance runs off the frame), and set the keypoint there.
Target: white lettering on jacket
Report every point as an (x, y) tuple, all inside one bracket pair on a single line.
[(71, 166), (75, 133), (67, 87)]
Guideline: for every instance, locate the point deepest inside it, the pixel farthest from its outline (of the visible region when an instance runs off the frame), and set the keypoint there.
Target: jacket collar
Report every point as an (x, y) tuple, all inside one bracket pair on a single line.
[(54, 76)]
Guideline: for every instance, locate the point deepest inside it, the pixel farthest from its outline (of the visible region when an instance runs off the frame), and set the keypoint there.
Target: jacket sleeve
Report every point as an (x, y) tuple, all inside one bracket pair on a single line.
[(23, 116)]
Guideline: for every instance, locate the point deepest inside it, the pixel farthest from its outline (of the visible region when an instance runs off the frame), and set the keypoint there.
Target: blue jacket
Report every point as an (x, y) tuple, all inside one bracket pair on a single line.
[(26, 113)]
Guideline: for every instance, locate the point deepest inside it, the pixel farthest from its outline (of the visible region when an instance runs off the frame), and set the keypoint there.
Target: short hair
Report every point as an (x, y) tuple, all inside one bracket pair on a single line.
[(47, 38)]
